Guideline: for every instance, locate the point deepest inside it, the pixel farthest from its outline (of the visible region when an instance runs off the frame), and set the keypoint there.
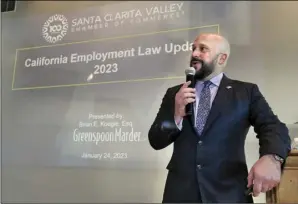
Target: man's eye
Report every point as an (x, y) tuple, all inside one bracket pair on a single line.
[(203, 49)]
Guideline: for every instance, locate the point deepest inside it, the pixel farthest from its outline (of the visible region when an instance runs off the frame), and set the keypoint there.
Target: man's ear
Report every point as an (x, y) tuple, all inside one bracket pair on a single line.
[(222, 59)]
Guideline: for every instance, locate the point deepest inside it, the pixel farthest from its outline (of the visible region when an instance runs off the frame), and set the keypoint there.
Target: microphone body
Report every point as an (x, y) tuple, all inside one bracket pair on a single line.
[(190, 76), (168, 126)]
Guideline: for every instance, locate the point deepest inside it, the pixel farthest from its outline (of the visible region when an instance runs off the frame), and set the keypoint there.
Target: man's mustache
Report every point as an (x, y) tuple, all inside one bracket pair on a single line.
[(196, 60)]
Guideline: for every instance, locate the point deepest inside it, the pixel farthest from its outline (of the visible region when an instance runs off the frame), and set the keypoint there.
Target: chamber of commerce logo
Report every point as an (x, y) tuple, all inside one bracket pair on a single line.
[(55, 28)]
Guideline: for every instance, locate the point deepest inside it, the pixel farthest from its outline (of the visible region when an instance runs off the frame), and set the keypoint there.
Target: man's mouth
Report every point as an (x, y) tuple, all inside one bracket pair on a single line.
[(196, 64)]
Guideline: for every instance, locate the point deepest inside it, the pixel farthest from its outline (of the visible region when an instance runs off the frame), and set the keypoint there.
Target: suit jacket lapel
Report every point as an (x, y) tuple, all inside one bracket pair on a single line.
[(219, 102)]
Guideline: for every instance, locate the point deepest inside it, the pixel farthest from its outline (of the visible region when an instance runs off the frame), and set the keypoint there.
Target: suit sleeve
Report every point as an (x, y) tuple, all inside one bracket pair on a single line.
[(273, 135), (164, 130)]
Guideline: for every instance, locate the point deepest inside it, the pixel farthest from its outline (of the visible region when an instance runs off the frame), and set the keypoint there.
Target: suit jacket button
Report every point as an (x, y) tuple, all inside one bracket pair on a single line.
[(199, 166), (200, 142)]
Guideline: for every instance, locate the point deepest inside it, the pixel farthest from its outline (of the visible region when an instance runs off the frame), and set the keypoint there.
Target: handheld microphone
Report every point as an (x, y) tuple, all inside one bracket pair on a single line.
[(190, 73)]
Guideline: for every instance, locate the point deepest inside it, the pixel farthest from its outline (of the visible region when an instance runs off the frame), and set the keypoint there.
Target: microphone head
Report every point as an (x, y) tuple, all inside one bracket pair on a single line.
[(190, 71)]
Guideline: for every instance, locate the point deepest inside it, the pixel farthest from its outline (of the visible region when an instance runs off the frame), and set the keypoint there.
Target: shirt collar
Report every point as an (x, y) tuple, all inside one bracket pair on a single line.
[(215, 80)]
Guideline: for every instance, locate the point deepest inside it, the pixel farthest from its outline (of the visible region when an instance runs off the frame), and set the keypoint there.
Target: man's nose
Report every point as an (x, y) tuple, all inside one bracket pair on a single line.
[(196, 53)]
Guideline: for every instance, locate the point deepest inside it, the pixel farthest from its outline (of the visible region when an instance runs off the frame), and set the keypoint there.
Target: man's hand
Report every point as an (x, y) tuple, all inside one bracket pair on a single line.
[(184, 96), (264, 175)]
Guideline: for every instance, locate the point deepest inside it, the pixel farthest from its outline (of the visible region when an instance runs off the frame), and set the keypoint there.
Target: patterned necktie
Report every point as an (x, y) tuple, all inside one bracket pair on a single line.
[(203, 107)]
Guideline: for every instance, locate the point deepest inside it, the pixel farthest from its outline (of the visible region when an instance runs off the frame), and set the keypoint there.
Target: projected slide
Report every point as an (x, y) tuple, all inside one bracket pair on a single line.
[(88, 85)]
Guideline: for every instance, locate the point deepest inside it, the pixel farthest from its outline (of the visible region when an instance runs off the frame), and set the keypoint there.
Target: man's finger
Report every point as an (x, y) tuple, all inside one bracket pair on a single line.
[(189, 95), (186, 84), (250, 179), (188, 100), (271, 186), (188, 90), (265, 188), (257, 187)]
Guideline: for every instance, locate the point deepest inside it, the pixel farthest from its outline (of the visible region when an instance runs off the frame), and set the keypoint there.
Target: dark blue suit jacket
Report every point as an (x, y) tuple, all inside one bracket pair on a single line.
[(211, 167)]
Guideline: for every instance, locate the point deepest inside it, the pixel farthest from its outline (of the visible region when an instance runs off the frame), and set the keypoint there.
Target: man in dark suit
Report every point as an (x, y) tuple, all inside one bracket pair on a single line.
[(208, 162)]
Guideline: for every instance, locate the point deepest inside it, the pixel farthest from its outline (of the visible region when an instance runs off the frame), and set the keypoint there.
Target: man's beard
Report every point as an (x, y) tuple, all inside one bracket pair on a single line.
[(205, 70)]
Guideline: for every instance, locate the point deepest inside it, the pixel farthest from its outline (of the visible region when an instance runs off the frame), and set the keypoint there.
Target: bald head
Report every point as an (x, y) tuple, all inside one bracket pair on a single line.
[(212, 51), (218, 43)]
